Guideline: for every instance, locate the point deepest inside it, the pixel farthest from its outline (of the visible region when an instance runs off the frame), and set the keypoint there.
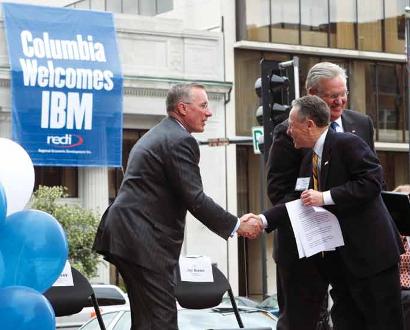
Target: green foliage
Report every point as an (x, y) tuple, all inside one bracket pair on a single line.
[(79, 225)]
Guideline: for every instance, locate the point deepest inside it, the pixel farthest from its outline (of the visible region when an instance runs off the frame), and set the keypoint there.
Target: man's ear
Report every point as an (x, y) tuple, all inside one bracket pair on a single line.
[(312, 91), (181, 108), (310, 123)]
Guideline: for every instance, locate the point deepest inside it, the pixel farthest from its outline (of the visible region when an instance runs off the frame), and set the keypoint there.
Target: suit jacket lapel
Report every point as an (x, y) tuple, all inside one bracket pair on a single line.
[(348, 124)]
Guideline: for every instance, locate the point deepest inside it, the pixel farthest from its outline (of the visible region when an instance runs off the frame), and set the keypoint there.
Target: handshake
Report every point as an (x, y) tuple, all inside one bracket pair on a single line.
[(251, 226)]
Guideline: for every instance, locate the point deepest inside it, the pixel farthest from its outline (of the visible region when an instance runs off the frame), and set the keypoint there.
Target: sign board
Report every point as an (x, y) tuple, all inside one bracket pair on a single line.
[(66, 85), (257, 133)]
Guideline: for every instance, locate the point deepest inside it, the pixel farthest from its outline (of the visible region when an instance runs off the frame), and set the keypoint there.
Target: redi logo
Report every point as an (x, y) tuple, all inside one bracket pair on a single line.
[(65, 141)]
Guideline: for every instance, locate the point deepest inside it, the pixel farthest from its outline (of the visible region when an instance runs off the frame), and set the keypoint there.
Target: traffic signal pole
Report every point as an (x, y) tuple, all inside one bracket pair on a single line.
[(407, 14)]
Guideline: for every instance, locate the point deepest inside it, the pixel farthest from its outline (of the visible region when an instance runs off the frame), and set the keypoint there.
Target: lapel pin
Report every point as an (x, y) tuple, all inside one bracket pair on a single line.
[(353, 131), (327, 162)]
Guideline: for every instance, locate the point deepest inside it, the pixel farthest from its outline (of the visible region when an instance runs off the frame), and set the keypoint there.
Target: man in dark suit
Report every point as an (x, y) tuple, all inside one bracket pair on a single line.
[(364, 272), (141, 233), (298, 294)]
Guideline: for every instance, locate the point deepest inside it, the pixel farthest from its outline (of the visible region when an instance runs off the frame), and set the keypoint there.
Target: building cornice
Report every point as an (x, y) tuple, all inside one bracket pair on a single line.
[(319, 51)]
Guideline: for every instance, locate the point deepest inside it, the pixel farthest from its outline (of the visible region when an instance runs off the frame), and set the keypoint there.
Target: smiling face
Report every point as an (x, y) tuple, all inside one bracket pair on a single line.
[(195, 112), (334, 92), (298, 130)]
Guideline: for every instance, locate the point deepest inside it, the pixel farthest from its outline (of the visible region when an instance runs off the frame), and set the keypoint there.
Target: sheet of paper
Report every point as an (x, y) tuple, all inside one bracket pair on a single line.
[(66, 276), (315, 228), (196, 269)]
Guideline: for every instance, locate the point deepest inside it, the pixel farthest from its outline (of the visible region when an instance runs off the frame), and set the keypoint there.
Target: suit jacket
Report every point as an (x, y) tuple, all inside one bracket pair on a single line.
[(283, 169), (354, 176), (145, 223)]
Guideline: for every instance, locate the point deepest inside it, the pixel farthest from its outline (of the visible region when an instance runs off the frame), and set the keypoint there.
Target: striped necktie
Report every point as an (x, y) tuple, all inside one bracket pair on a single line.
[(315, 171)]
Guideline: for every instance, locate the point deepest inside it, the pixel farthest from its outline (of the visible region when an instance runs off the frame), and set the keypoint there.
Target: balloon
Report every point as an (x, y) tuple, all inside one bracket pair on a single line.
[(16, 175), (25, 309), (3, 205), (33, 248)]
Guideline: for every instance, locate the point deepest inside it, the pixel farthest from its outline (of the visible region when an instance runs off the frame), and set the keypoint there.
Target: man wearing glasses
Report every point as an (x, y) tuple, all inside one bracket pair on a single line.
[(300, 289), (142, 231)]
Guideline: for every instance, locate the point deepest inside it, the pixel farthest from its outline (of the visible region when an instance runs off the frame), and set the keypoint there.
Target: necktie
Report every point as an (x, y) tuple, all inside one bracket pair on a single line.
[(405, 264), (333, 126), (315, 171)]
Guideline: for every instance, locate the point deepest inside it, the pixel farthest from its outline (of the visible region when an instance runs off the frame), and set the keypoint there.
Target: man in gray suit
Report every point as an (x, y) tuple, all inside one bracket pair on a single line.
[(142, 231)]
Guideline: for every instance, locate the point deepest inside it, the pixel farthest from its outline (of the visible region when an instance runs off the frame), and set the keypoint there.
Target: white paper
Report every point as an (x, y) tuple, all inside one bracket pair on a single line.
[(196, 269), (66, 276), (315, 228)]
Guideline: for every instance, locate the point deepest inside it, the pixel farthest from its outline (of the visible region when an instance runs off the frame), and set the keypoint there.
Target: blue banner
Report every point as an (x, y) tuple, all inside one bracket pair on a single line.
[(66, 85)]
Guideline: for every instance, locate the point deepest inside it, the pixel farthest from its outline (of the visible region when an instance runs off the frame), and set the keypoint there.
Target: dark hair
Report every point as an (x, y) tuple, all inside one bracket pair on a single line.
[(180, 92), (314, 108)]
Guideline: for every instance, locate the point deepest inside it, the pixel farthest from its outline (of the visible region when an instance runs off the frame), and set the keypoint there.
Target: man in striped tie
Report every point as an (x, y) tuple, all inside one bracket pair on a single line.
[(363, 273)]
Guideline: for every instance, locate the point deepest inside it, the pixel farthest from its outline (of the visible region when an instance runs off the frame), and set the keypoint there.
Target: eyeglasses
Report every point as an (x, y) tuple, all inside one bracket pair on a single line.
[(335, 96), (203, 106)]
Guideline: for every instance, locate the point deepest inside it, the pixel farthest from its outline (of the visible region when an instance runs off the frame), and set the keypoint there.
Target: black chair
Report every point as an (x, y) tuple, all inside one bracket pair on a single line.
[(201, 295), (67, 300)]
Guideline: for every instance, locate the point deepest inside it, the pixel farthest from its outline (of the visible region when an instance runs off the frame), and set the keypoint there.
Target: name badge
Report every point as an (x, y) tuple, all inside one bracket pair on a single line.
[(302, 184)]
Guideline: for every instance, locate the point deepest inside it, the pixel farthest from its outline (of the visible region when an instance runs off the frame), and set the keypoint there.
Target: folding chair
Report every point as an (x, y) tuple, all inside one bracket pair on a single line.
[(200, 295), (67, 300)]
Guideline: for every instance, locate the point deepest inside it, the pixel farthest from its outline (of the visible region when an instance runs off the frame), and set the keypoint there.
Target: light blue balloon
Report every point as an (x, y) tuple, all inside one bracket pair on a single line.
[(33, 250), (3, 205), (23, 308)]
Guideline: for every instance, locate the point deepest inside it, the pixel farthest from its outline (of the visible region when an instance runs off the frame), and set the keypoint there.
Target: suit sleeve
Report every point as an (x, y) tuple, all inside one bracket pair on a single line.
[(276, 216), (365, 174), (185, 177), (282, 167)]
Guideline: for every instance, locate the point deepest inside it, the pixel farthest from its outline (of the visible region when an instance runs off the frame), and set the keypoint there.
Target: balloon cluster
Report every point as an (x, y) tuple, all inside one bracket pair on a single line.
[(33, 246)]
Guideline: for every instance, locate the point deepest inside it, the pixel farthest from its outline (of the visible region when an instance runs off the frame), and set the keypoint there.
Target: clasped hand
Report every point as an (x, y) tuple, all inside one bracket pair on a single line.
[(251, 226)]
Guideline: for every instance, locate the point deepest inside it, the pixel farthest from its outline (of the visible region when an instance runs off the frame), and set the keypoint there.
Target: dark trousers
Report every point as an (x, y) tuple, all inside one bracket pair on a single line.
[(151, 296), (301, 291), (371, 303)]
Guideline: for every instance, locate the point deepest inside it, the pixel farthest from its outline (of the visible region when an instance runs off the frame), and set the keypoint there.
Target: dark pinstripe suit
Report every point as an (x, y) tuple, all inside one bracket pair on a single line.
[(143, 230)]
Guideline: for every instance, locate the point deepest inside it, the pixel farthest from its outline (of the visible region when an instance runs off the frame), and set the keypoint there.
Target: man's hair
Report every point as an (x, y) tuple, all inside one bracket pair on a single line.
[(323, 70), (314, 108), (180, 92)]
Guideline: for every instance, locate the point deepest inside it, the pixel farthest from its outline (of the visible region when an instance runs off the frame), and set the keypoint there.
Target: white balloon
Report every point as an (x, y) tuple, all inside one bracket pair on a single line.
[(16, 175)]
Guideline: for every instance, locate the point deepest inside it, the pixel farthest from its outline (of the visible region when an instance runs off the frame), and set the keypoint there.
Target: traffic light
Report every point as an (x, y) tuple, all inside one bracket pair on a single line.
[(276, 93)]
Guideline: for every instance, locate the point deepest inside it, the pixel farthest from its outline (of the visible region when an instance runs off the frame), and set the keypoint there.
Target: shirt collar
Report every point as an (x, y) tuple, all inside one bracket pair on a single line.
[(318, 147)]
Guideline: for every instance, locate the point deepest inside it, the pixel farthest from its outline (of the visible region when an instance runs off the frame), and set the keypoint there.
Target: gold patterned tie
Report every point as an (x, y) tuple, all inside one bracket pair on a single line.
[(315, 171)]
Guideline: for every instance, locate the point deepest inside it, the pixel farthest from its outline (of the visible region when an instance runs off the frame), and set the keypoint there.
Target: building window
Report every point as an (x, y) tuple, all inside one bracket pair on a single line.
[(285, 22), (370, 25), (257, 20), (342, 23), (57, 176), (378, 89), (139, 7), (314, 22)]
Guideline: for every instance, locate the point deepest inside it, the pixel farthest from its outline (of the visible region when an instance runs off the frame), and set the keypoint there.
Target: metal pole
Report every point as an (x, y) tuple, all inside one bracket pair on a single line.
[(263, 236), (407, 11)]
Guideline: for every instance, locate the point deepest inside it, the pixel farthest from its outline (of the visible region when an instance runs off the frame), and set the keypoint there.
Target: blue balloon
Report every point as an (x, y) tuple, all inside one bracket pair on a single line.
[(23, 308), (33, 250), (3, 205)]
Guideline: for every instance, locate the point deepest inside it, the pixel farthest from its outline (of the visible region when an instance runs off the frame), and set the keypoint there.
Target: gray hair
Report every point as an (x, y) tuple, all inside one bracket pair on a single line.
[(180, 92), (323, 70), (314, 108)]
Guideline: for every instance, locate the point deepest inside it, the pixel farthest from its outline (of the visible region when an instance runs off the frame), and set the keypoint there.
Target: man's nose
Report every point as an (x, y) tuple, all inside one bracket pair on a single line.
[(339, 100)]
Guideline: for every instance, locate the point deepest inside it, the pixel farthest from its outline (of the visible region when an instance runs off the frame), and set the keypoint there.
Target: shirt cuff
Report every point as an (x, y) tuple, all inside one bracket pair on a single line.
[(233, 234), (264, 221), (327, 198)]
